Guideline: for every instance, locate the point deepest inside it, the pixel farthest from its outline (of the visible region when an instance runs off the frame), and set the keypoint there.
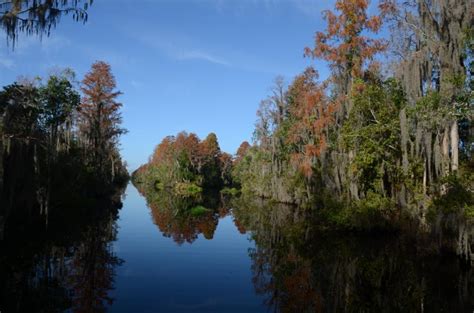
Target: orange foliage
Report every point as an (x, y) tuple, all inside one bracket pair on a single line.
[(242, 150), (210, 146), (240, 227), (162, 152), (226, 160), (300, 294), (183, 228), (313, 112), (343, 44), (99, 115), (196, 150)]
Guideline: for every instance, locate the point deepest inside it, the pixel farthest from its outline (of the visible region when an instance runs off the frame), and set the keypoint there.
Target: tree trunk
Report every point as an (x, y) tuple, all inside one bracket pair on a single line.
[(2, 148), (463, 245), (2, 227), (353, 188), (404, 148), (445, 152), (112, 168), (423, 205), (454, 146)]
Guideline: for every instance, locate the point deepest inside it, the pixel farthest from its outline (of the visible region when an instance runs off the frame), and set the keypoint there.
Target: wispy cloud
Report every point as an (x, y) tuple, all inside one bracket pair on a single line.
[(26, 44), (136, 83), (179, 47), (12, 55), (181, 50), (6, 62), (311, 8), (201, 55)]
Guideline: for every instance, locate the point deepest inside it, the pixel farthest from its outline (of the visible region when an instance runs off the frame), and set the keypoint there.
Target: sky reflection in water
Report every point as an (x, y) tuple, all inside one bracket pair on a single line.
[(159, 275)]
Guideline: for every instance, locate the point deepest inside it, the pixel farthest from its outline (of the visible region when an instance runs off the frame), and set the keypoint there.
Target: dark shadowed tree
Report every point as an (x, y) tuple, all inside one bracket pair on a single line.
[(38, 17), (59, 102)]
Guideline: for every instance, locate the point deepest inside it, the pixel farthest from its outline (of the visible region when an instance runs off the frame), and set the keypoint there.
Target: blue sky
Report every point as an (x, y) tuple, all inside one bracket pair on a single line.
[(197, 65)]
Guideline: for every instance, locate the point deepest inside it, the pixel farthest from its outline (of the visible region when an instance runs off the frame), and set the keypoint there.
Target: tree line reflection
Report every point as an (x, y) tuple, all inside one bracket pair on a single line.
[(175, 218), (68, 267), (299, 268)]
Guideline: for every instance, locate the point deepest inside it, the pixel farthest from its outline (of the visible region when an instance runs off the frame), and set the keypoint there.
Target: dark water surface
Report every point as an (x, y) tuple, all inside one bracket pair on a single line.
[(241, 256)]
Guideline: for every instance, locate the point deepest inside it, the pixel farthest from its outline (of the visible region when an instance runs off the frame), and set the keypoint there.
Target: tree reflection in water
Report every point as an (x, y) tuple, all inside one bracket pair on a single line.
[(70, 266), (175, 219), (298, 268)]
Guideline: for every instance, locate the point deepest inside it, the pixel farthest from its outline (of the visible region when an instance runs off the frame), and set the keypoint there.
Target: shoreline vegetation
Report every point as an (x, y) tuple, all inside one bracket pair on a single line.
[(59, 148), (62, 178), (364, 150), (187, 167), (62, 181)]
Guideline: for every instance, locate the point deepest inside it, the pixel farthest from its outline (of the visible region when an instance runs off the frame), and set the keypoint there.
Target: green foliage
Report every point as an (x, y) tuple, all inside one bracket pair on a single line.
[(186, 166), (372, 212), (230, 191), (20, 108), (180, 217), (41, 156), (457, 200), (199, 210), (256, 174), (372, 132), (396, 168), (430, 112), (60, 99), (187, 189), (159, 186)]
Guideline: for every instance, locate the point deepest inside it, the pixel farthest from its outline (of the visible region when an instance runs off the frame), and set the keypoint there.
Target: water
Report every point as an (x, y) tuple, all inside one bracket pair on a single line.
[(246, 255), (159, 275)]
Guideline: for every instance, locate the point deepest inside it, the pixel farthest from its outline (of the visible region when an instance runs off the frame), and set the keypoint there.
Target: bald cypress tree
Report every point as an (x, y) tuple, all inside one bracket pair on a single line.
[(100, 119)]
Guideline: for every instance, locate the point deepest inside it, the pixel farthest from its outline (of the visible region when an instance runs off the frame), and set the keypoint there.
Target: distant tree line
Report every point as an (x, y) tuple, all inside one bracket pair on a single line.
[(185, 165)]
